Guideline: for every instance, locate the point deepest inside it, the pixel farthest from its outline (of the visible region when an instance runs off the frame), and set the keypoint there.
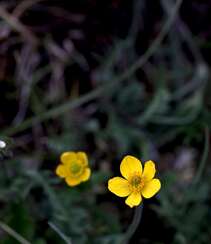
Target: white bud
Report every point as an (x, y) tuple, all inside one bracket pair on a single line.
[(2, 144)]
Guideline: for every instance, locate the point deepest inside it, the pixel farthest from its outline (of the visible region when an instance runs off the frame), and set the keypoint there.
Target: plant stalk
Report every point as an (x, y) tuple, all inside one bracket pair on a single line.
[(134, 224)]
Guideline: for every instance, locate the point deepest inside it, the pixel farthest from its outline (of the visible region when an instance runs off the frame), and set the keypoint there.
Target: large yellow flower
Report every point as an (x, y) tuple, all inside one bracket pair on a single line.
[(74, 168), (136, 182)]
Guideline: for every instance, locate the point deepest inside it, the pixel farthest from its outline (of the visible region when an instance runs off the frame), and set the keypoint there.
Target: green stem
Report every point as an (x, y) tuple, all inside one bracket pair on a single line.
[(13, 233), (204, 156), (60, 233), (134, 225)]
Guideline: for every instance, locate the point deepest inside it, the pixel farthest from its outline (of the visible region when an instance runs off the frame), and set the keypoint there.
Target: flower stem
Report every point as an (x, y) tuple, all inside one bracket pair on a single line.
[(134, 224), (204, 156), (13, 233)]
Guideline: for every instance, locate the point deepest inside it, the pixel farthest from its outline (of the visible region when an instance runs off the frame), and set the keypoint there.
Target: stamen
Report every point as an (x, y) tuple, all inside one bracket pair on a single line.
[(136, 183), (75, 168)]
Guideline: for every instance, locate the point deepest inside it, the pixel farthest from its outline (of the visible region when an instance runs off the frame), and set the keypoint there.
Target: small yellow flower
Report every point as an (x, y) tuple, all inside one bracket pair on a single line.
[(74, 168), (135, 183)]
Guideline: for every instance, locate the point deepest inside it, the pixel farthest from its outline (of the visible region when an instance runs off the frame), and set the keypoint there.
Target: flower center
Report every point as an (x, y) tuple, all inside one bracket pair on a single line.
[(136, 183), (75, 168)]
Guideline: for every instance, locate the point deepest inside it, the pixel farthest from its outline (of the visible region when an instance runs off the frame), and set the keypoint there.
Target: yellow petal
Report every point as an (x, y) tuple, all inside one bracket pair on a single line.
[(119, 186), (86, 175), (61, 171), (66, 157), (71, 181), (129, 166), (151, 188), (134, 199), (149, 170), (83, 158)]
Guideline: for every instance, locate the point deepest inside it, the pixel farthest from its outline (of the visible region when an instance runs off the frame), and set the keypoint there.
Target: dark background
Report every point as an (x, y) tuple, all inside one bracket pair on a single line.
[(62, 89)]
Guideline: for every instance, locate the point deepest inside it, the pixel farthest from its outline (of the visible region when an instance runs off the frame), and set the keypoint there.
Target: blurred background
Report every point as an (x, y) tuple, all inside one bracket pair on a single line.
[(109, 78)]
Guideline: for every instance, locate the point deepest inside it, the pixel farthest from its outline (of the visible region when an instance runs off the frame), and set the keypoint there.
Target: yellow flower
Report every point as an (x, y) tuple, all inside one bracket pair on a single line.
[(74, 168), (136, 182)]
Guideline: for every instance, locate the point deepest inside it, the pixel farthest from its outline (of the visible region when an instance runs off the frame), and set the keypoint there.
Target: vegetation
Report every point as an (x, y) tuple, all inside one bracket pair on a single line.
[(108, 78)]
